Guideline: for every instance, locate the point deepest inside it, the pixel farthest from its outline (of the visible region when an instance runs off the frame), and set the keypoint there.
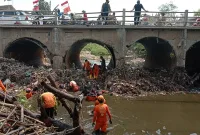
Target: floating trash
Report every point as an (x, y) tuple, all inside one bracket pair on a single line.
[(158, 132), (164, 128), (194, 134)]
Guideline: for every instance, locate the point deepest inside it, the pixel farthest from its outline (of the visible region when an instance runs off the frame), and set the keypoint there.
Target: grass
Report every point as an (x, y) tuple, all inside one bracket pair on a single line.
[(96, 49)]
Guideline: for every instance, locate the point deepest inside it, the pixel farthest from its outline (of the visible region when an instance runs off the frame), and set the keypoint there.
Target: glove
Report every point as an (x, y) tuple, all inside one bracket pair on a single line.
[(93, 124), (110, 121)]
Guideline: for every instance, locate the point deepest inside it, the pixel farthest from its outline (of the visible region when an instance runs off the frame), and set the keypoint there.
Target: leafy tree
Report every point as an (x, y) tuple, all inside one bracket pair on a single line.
[(197, 13), (139, 50), (45, 7), (168, 7)]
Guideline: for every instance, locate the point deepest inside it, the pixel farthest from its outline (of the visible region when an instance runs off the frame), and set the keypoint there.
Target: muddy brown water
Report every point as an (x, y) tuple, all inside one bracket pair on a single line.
[(154, 115)]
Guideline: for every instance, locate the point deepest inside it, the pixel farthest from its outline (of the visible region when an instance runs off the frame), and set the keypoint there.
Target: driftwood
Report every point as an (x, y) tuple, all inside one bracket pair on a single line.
[(50, 78), (76, 130), (9, 99), (17, 122), (60, 94)]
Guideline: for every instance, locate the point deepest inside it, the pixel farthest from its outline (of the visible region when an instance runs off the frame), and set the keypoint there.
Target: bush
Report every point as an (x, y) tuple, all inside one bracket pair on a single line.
[(96, 49), (139, 50)]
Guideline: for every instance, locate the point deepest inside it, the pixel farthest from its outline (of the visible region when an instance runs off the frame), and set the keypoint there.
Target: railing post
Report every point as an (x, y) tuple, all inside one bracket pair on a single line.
[(185, 18), (56, 17), (124, 17)]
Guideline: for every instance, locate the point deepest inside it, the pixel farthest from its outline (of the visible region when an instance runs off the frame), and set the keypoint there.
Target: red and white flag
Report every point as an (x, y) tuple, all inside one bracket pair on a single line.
[(66, 7), (36, 5)]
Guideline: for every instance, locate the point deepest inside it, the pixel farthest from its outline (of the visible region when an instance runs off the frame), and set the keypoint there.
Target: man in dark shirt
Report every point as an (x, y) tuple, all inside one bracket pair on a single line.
[(105, 10), (137, 14), (103, 64)]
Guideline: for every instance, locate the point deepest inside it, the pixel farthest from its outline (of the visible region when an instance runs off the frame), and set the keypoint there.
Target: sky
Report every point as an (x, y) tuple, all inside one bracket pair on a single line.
[(95, 5), (116, 5)]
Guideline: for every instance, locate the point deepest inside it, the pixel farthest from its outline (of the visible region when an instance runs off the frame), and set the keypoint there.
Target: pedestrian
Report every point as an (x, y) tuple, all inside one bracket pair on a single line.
[(73, 86), (87, 67), (49, 103), (95, 71), (137, 14), (100, 116), (105, 11), (103, 64), (85, 18)]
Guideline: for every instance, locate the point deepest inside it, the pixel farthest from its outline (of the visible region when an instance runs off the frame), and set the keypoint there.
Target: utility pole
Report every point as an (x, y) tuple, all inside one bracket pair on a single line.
[(50, 4)]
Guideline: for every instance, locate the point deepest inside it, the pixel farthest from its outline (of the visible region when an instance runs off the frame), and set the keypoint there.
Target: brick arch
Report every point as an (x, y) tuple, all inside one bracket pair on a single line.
[(158, 52), (192, 58), (73, 54), (26, 49)]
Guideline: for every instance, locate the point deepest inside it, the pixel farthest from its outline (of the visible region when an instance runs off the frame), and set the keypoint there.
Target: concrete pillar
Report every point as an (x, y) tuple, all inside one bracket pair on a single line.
[(57, 62), (182, 50), (56, 41), (120, 49)]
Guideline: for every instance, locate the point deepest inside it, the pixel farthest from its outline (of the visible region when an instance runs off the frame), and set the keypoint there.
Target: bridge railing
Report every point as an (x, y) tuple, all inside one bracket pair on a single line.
[(140, 19)]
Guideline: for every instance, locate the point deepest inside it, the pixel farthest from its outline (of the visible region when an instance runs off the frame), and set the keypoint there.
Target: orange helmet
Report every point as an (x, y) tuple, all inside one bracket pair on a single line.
[(100, 98)]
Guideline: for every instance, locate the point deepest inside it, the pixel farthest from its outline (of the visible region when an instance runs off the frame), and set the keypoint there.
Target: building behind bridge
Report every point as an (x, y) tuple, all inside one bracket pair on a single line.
[(7, 7)]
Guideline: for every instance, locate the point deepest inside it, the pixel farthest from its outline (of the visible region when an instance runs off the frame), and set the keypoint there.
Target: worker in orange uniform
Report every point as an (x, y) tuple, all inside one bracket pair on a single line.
[(87, 67), (73, 86), (48, 102), (2, 87), (97, 101), (95, 71), (100, 116), (29, 93)]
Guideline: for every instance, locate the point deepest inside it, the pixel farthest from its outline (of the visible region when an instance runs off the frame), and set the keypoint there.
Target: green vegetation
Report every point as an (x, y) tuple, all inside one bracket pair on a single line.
[(96, 49), (197, 14), (168, 7), (139, 50), (21, 98), (45, 7)]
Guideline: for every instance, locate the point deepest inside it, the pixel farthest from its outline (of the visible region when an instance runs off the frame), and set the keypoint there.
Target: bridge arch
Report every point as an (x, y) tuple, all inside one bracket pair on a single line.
[(27, 50), (73, 54), (192, 59), (160, 54)]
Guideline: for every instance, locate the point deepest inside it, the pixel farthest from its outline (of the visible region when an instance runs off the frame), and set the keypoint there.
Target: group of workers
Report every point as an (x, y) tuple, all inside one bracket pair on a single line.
[(48, 101), (93, 72)]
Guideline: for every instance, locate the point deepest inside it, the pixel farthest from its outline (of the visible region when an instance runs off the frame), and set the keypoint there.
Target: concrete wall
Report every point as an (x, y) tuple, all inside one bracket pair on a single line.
[(59, 40)]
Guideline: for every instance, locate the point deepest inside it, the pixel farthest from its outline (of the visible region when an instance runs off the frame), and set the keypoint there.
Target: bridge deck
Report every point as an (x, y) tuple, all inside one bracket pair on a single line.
[(96, 27)]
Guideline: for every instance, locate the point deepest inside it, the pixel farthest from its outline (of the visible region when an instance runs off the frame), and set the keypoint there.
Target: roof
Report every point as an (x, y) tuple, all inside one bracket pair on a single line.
[(7, 7)]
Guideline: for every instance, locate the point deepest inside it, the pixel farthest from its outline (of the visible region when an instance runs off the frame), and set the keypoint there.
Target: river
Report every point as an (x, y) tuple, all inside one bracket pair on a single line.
[(155, 115)]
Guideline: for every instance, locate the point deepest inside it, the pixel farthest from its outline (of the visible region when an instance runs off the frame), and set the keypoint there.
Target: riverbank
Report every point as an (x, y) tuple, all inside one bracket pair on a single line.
[(124, 82)]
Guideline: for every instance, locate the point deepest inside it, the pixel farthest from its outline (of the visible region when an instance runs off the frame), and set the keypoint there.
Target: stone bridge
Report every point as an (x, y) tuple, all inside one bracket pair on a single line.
[(64, 43)]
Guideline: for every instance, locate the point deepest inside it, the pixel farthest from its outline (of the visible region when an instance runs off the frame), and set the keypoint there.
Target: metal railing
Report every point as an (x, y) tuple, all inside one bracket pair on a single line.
[(121, 18)]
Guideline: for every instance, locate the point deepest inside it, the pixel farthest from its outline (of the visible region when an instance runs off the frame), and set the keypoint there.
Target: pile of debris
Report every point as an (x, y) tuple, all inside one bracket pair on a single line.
[(15, 121), (133, 82)]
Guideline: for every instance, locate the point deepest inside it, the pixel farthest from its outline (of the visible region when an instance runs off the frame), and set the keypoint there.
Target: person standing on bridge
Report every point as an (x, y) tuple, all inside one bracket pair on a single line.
[(137, 14), (105, 11)]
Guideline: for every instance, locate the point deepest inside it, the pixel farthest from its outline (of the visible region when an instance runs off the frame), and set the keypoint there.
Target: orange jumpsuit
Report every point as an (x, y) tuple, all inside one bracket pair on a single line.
[(86, 66), (2, 87), (95, 71), (74, 86), (29, 95), (100, 117)]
